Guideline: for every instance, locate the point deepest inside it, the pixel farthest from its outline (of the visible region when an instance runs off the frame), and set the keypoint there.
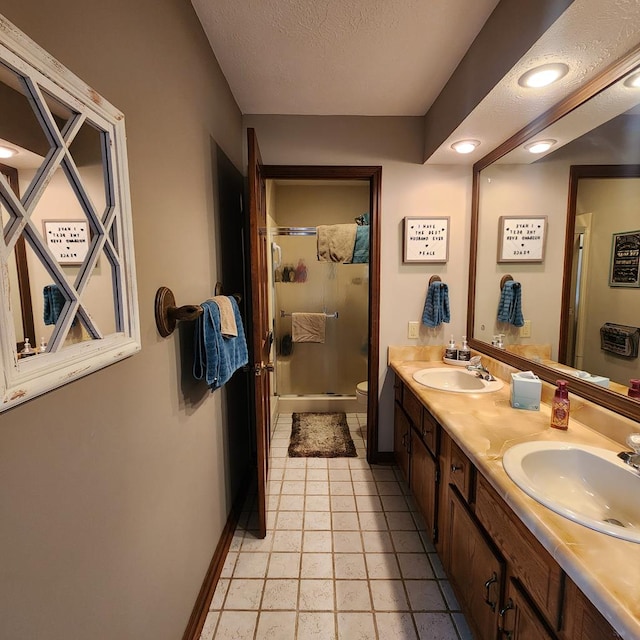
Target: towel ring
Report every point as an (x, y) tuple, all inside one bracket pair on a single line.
[(433, 279), (504, 280), (167, 314)]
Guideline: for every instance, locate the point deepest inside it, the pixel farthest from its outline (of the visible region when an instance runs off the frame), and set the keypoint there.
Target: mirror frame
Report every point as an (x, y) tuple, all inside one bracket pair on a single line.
[(613, 401), (26, 378)]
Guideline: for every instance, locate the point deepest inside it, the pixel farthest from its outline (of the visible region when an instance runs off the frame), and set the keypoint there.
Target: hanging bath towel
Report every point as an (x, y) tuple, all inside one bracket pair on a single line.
[(216, 358), (308, 327), (510, 305), (436, 306), (336, 242)]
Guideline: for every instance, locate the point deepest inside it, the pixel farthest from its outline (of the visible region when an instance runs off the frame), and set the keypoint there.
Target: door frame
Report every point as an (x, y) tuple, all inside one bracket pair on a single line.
[(372, 174)]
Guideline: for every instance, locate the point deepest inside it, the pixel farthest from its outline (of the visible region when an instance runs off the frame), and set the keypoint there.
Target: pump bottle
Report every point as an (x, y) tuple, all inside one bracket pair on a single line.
[(560, 406)]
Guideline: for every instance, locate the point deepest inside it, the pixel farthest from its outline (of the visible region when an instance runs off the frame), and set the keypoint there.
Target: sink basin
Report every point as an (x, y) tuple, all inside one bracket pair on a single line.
[(588, 485), (456, 380)]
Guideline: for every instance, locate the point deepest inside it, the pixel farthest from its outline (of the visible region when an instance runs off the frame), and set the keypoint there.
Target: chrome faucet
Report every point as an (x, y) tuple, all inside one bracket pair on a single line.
[(475, 365), (632, 458)]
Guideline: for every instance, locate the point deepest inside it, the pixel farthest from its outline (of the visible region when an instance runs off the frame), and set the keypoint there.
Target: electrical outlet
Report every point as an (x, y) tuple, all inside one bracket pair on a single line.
[(414, 330), (525, 330)]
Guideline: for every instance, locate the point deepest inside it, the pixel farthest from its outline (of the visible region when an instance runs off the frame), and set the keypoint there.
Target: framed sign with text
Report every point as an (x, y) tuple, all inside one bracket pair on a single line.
[(426, 239), (522, 238), (68, 240), (625, 260)]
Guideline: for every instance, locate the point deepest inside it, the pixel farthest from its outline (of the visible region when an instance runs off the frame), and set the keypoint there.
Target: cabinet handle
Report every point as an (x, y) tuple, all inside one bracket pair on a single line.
[(487, 586), (507, 607), (456, 467)]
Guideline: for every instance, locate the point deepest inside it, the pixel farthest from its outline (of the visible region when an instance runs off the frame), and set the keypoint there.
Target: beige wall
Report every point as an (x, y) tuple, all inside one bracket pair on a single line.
[(522, 190), (409, 188), (113, 489), (614, 205)]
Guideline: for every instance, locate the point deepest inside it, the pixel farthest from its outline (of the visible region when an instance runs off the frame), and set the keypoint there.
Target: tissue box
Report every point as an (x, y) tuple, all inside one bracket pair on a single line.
[(526, 390)]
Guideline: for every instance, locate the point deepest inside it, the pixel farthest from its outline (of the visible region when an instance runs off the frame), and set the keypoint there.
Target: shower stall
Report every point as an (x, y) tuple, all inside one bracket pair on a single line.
[(317, 376)]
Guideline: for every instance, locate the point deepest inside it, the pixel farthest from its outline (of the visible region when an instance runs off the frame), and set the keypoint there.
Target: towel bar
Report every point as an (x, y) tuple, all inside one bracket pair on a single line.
[(167, 313), (327, 315)]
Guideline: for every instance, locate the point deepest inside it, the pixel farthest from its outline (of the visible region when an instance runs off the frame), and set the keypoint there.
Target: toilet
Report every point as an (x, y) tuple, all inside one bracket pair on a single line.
[(362, 392)]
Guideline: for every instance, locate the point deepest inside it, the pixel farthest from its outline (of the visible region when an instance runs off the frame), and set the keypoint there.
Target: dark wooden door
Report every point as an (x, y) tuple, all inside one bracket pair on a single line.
[(423, 482), (261, 336), (475, 569), (518, 618), (402, 440)]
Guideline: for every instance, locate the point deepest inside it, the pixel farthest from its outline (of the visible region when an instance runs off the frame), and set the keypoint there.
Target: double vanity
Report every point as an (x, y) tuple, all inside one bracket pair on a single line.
[(492, 482)]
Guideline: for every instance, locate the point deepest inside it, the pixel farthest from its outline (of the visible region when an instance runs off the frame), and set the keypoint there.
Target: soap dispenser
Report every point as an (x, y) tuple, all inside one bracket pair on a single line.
[(634, 389), (560, 406), (451, 352), (464, 353), (27, 350)]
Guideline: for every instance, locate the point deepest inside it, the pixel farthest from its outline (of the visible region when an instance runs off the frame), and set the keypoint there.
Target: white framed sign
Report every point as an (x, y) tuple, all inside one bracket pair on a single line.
[(522, 238), (68, 240), (426, 239)]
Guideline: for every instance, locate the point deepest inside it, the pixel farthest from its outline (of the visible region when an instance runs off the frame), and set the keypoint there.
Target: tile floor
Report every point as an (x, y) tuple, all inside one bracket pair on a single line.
[(346, 557)]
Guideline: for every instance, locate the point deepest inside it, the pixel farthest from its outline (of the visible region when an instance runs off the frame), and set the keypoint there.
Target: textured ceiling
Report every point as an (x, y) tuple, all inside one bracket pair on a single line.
[(340, 57)]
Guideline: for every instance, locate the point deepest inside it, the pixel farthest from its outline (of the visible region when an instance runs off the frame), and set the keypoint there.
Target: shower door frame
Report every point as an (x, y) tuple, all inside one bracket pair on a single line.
[(373, 175)]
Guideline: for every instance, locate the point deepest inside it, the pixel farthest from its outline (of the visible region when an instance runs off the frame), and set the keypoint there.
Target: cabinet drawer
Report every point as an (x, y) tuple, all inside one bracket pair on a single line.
[(412, 406), (460, 470), (537, 571), (429, 431)]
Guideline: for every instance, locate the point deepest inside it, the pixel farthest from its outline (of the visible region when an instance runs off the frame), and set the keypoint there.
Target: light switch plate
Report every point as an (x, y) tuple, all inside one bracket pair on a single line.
[(414, 330), (525, 330)]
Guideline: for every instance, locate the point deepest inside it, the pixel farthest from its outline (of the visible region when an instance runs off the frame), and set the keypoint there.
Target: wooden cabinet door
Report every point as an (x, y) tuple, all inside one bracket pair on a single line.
[(476, 571), (401, 440), (582, 621), (423, 481), (518, 618)]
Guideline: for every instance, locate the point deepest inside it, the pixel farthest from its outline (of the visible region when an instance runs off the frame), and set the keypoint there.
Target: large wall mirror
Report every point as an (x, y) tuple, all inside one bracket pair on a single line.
[(68, 281), (581, 198)]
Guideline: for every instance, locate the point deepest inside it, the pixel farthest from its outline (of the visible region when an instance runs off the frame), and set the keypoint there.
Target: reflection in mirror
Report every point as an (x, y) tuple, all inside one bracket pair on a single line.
[(66, 244), (567, 297)]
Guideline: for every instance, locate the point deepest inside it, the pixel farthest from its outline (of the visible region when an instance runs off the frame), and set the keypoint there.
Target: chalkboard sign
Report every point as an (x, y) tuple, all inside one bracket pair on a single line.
[(522, 238), (625, 260)]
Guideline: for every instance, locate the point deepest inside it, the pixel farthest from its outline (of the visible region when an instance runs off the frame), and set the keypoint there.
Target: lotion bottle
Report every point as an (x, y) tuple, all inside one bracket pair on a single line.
[(560, 406), (634, 389), (464, 353), (451, 352)]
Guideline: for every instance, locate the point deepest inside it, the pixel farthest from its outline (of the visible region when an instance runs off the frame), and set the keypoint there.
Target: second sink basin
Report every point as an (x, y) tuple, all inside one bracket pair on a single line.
[(588, 485), (456, 380)]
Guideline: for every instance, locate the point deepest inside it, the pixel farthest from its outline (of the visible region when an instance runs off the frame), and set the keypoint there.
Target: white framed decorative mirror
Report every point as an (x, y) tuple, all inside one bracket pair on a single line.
[(68, 288)]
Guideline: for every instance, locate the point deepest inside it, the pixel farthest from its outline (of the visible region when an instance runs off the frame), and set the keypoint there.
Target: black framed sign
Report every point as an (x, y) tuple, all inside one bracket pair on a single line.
[(625, 260), (426, 239)]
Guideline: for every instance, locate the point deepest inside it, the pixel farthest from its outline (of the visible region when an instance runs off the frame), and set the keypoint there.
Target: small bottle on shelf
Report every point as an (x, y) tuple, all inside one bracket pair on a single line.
[(560, 406)]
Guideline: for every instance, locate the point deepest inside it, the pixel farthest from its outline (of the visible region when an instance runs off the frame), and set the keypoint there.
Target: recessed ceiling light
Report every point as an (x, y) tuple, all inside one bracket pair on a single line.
[(7, 152), (543, 75), (465, 146), (539, 146), (633, 81)]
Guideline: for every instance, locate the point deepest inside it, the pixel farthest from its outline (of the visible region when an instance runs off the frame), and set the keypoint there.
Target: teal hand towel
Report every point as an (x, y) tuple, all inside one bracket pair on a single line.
[(510, 305), (436, 306)]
